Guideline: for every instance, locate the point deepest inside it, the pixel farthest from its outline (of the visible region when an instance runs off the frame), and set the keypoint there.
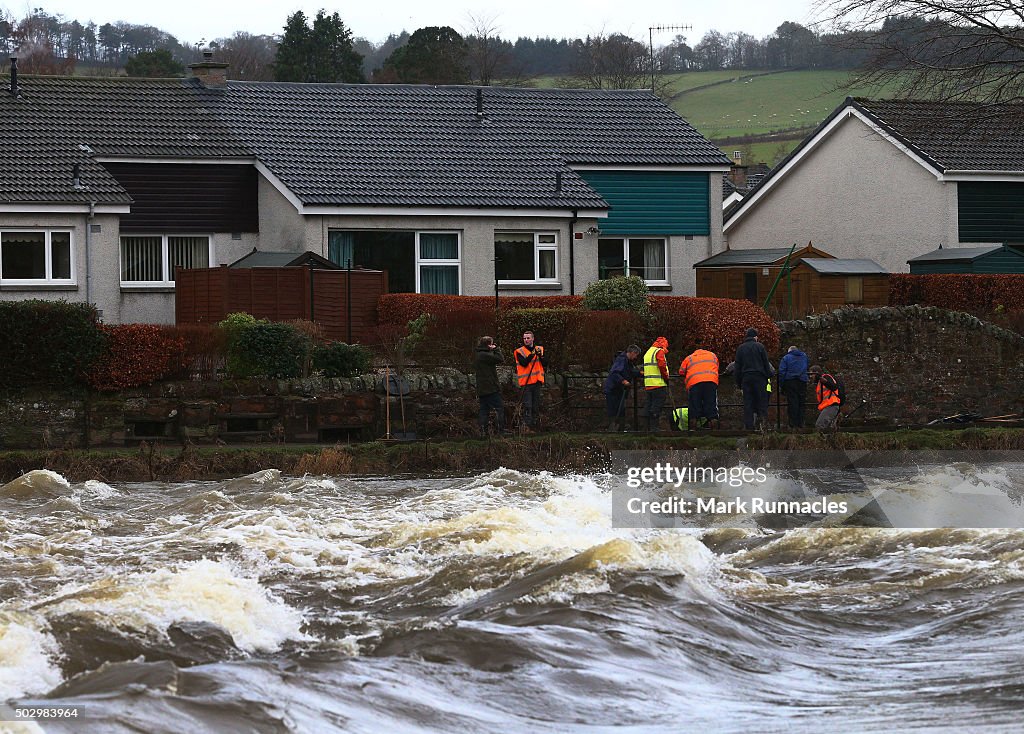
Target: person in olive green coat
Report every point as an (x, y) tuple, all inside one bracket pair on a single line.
[(488, 357)]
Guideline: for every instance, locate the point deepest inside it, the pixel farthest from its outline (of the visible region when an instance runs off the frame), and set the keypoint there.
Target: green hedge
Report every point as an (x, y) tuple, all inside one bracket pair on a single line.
[(48, 342)]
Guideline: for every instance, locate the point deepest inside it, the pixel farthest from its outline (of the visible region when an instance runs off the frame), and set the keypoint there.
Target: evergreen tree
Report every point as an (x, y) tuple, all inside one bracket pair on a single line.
[(321, 53), (158, 64), (432, 56)]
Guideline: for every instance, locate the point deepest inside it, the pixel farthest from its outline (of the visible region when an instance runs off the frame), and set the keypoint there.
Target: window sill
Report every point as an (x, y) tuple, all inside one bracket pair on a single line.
[(545, 286), (659, 287), (147, 289), (40, 287)]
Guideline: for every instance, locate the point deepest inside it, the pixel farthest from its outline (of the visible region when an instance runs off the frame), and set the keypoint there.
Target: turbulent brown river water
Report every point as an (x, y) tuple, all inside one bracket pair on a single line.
[(504, 602)]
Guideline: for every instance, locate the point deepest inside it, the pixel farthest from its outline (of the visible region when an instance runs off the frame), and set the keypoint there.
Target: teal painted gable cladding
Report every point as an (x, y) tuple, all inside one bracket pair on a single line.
[(990, 211), (653, 203)]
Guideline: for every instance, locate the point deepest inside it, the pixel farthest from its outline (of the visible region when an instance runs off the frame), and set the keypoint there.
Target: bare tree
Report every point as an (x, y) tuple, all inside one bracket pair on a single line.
[(251, 57), (944, 50), (610, 62)]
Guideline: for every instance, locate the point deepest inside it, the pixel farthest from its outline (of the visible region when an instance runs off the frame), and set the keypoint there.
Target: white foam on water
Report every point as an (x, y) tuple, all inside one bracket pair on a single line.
[(41, 482), (93, 489), (201, 591), (27, 657)]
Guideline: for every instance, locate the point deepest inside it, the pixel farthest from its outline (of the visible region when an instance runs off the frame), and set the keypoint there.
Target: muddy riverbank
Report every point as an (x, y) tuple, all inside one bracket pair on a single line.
[(556, 452)]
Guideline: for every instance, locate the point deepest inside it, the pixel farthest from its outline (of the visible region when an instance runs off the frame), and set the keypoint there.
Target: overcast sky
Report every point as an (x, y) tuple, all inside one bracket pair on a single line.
[(193, 20)]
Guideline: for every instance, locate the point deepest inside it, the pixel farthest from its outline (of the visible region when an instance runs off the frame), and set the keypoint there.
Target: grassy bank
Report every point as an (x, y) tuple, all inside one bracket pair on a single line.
[(555, 452)]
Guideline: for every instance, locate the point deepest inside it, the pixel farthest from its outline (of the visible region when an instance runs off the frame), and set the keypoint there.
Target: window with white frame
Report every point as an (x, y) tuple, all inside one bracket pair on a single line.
[(152, 259), (646, 257), (36, 257), (416, 262), (526, 257), (437, 263)]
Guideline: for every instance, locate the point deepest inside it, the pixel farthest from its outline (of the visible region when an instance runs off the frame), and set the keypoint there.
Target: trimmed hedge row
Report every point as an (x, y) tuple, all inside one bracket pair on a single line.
[(573, 336), (47, 342), (397, 309), (720, 323), (958, 291), (136, 355), (60, 344)]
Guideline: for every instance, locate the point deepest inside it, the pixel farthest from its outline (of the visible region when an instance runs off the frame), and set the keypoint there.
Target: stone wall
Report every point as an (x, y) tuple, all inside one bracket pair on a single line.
[(439, 404), (911, 365), (914, 364)]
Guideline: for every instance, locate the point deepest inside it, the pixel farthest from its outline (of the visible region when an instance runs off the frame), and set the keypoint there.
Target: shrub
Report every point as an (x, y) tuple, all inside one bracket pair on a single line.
[(137, 355), (48, 342), (338, 359), (269, 350), (617, 294)]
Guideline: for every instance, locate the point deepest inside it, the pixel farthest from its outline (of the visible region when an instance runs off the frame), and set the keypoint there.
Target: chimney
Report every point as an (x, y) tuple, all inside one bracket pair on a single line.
[(211, 74), (479, 104), (15, 92), (76, 175), (558, 183)]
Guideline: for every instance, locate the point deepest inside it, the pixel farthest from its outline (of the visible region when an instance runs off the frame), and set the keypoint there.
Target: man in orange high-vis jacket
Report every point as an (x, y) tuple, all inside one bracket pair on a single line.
[(530, 363), (700, 371), (826, 390), (655, 381)]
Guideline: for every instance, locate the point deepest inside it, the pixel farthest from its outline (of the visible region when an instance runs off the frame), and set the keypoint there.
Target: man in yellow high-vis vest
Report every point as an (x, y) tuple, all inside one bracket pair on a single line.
[(656, 381)]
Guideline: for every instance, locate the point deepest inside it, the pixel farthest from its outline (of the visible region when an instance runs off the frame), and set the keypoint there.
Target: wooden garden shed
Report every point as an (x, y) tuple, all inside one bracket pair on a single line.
[(747, 274), (827, 284), (284, 286), (981, 259), (816, 281)]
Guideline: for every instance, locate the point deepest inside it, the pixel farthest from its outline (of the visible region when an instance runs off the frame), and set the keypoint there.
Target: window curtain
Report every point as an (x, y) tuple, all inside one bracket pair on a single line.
[(439, 246), (341, 247), (141, 259), (442, 279), (187, 252), (654, 260)]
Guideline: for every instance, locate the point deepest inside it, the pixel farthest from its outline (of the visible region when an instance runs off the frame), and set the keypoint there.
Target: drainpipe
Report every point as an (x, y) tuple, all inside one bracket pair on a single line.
[(572, 252), (88, 249)]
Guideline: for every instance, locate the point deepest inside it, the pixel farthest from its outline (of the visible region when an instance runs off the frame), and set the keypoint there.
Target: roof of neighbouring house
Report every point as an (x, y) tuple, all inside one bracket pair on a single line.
[(344, 144), (946, 136), (257, 259), (844, 266), (958, 254)]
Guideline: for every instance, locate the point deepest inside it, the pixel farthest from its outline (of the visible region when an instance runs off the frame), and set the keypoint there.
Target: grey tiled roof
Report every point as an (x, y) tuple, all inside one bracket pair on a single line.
[(955, 254), (758, 256), (338, 144), (955, 135), (844, 266)]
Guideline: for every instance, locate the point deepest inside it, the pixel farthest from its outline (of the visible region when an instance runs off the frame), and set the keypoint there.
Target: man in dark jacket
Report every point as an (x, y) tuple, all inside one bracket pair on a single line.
[(488, 357), (793, 376), (620, 377), (753, 371)]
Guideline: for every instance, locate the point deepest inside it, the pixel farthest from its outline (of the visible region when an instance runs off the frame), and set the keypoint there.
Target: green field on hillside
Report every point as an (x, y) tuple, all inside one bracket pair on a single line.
[(758, 105), (776, 110)]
